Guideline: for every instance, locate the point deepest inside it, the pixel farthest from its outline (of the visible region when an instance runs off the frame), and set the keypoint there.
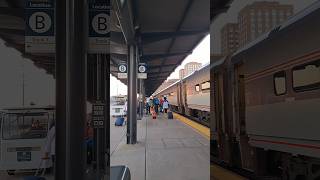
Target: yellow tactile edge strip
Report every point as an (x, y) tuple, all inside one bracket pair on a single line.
[(219, 173), (203, 130)]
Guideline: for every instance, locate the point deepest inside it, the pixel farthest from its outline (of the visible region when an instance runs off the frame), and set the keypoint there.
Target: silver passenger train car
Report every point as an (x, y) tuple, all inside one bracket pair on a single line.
[(265, 102), (190, 96)]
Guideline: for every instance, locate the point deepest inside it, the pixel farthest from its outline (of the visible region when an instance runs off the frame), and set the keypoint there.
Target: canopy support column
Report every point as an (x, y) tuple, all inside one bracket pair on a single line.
[(132, 96), (71, 89)]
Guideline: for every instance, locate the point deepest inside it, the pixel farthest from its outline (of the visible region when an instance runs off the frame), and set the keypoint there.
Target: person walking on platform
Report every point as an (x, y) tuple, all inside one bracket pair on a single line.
[(156, 103), (148, 106), (165, 105)]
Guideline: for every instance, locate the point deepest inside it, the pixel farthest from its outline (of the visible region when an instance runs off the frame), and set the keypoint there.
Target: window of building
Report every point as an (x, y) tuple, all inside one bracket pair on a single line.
[(205, 85), (197, 88), (306, 77), (279, 79)]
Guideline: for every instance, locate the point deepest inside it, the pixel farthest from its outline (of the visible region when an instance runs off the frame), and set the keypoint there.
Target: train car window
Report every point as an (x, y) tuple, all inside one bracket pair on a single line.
[(306, 77), (205, 85), (279, 80), (197, 88)]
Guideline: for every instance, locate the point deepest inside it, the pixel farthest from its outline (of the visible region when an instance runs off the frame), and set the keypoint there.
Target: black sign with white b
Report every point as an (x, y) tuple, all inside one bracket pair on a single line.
[(39, 34), (99, 27), (98, 115)]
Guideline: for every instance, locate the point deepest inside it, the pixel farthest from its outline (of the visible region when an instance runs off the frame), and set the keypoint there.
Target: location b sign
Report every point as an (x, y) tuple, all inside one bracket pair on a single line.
[(99, 28), (39, 34)]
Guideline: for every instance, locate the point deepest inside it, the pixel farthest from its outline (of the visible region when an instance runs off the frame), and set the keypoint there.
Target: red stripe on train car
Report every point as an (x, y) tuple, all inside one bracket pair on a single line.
[(289, 144)]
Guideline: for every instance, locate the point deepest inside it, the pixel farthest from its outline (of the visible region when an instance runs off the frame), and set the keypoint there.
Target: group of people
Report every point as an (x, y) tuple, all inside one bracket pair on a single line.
[(157, 104)]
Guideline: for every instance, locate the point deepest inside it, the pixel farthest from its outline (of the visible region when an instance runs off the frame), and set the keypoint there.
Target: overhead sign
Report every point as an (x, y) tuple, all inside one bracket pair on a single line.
[(142, 71), (39, 34), (99, 27), (98, 115), (123, 68), (123, 71)]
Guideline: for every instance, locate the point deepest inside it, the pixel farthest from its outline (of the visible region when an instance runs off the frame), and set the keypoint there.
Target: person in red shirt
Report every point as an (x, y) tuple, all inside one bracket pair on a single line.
[(88, 134), (161, 104)]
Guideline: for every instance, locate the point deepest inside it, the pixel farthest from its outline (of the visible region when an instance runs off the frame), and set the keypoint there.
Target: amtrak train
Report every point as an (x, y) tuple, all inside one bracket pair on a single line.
[(190, 96), (265, 102)]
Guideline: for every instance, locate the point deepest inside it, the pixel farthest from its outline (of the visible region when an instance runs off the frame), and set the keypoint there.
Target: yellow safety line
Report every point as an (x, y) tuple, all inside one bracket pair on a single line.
[(219, 173), (203, 130)]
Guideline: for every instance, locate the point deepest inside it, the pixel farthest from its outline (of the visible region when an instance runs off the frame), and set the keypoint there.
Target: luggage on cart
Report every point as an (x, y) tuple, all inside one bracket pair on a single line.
[(170, 115), (119, 121)]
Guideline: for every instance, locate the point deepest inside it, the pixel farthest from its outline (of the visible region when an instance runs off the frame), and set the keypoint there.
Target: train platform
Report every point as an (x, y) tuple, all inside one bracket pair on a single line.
[(167, 149)]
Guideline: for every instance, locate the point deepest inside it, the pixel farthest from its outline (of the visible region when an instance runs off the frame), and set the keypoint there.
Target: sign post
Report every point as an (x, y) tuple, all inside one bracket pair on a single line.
[(39, 34), (99, 28), (123, 71), (142, 71)]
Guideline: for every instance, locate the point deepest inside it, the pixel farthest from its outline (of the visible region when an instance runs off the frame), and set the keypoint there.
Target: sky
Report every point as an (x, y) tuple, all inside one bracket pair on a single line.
[(39, 86), (232, 14), (200, 54)]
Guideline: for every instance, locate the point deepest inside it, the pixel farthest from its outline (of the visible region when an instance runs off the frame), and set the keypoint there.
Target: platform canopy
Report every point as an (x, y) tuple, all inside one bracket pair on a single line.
[(165, 31)]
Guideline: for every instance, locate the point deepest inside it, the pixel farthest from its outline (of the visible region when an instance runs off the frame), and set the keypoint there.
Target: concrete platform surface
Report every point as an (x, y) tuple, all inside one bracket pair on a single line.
[(166, 150)]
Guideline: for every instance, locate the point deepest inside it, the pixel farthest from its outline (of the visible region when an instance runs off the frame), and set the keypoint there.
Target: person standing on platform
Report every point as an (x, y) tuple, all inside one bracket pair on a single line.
[(125, 108), (49, 148), (89, 139), (161, 104), (165, 105)]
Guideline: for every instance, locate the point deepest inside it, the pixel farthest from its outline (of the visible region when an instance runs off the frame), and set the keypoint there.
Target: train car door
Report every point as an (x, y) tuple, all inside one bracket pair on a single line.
[(185, 104), (246, 151), (179, 96)]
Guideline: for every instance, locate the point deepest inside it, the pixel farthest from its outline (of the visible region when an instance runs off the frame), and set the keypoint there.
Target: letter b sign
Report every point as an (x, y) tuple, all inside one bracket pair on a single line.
[(40, 22), (100, 23)]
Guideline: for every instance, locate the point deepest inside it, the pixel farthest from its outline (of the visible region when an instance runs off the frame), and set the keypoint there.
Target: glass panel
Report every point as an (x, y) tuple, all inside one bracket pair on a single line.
[(306, 77), (197, 87), (205, 85), (280, 83), (25, 126)]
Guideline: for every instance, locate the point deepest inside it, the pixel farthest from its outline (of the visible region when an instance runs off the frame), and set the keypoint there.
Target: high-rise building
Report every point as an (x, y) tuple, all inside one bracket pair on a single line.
[(181, 73), (229, 38), (191, 67), (260, 17)]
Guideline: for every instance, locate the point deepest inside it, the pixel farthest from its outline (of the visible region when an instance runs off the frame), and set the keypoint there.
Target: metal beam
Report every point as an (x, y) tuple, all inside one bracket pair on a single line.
[(16, 32), (151, 37), (123, 10), (18, 12), (164, 66), (186, 10), (150, 57)]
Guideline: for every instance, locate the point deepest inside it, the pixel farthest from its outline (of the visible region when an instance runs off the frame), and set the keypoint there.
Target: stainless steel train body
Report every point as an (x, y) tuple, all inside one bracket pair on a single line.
[(190, 96), (266, 101)]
